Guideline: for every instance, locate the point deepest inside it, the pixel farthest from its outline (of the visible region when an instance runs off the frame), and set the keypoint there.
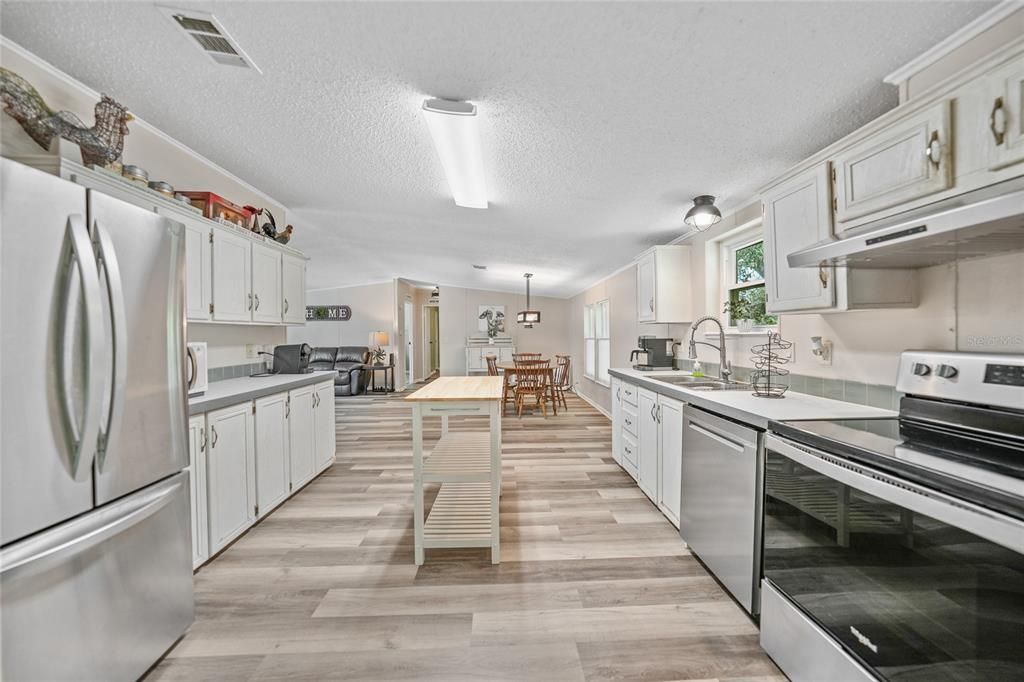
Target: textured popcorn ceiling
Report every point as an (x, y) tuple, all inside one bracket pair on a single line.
[(600, 121)]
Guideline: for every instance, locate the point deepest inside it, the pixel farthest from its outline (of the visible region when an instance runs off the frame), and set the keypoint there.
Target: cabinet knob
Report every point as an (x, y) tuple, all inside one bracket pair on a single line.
[(934, 150), (946, 371)]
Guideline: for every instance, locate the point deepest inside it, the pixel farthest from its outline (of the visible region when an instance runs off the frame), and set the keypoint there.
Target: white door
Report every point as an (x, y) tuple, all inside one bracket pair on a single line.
[(302, 435), (907, 160), (645, 289), (407, 311), (1006, 120), (797, 213), (670, 416), (324, 424), (197, 443), (272, 472), (198, 270), (267, 297), (293, 286), (230, 474), (647, 466), (232, 280)]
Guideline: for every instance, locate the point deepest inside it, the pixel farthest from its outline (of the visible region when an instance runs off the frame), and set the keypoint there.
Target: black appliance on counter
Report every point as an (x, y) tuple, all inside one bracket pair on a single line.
[(653, 354), (292, 359), (894, 548)]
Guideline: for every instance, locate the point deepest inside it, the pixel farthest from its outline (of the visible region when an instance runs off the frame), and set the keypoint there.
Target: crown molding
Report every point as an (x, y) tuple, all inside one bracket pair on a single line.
[(953, 41)]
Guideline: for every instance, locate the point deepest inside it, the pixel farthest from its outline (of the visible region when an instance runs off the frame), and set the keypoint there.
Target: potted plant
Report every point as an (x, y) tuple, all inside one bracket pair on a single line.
[(740, 312)]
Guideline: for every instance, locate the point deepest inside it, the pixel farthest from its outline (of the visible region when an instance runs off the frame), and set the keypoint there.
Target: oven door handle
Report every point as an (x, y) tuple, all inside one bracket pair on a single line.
[(995, 527)]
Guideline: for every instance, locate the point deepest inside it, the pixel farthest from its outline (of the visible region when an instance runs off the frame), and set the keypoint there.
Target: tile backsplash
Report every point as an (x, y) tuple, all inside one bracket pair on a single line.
[(875, 395), (236, 371)]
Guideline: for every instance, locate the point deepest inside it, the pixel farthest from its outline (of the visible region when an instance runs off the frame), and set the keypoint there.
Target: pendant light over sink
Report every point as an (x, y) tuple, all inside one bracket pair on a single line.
[(704, 213), (528, 317)]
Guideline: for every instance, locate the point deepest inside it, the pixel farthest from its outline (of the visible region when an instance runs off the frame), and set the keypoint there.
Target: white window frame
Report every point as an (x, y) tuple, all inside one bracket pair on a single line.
[(597, 337), (727, 249)]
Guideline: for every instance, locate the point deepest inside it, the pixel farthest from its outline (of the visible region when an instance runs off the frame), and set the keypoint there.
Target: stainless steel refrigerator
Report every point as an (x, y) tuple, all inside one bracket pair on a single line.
[(95, 563)]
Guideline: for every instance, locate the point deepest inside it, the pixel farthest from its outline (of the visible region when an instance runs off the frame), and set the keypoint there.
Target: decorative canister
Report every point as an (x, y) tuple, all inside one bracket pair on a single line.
[(162, 187), (136, 174)]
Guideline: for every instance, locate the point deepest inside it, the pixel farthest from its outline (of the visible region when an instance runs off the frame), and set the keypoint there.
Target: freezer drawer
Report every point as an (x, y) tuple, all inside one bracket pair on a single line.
[(101, 597)]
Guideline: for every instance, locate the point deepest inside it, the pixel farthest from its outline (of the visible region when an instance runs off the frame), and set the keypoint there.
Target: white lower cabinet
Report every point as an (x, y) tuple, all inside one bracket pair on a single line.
[(647, 442), (323, 418), (670, 427), (273, 475), (197, 442), (231, 473), (302, 435)]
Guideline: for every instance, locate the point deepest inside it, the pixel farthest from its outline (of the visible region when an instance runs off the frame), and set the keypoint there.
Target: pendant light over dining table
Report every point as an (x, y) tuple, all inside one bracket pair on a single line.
[(528, 317)]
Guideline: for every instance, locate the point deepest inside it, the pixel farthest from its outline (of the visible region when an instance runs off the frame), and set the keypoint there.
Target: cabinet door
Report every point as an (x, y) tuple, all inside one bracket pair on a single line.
[(670, 416), (293, 287), (230, 474), (302, 436), (647, 464), (326, 439), (198, 271), (267, 296), (197, 442), (645, 289), (232, 281), (797, 213), (617, 420), (505, 354), (475, 359), (1006, 120), (272, 472), (907, 160)]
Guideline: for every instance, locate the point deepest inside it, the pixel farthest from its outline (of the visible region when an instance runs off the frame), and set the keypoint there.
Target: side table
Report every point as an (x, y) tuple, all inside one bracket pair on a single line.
[(388, 386)]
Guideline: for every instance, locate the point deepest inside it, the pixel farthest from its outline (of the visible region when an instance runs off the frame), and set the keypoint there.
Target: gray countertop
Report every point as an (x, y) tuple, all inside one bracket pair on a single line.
[(743, 406), (233, 391)]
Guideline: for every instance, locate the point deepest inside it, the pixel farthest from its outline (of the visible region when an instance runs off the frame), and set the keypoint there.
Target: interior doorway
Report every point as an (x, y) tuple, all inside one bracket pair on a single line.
[(431, 341), (408, 335)]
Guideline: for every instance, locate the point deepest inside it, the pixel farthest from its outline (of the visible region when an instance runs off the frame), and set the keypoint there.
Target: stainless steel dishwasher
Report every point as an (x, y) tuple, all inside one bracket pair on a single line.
[(722, 496)]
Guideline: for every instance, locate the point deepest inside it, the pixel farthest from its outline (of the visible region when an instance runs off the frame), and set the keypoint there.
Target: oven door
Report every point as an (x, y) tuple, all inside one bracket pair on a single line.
[(909, 582)]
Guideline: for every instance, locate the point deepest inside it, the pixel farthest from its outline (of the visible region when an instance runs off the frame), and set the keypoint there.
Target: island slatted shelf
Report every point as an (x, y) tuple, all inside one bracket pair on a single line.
[(467, 465)]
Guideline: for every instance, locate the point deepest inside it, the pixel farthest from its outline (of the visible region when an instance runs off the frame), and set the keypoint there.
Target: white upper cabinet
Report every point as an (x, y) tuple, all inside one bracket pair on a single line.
[(267, 298), (198, 271), (1006, 118), (232, 290), (293, 289), (904, 161), (663, 293), (797, 213)]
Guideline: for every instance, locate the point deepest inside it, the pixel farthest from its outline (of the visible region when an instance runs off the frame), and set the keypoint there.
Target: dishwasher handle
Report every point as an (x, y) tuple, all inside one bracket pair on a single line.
[(713, 435)]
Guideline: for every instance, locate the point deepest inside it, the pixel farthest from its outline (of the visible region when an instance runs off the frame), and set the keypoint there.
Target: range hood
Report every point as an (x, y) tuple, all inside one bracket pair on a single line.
[(985, 222)]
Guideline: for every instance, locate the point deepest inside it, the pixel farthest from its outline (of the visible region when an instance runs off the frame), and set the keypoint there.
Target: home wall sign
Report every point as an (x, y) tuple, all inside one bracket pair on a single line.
[(328, 313)]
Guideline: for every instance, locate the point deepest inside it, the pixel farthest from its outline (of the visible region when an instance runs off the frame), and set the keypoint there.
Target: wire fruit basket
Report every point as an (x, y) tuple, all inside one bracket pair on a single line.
[(768, 359)]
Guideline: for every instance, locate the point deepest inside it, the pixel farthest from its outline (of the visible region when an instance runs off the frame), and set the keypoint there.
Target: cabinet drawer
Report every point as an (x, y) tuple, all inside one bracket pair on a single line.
[(629, 394), (630, 451), (908, 160), (629, 420)]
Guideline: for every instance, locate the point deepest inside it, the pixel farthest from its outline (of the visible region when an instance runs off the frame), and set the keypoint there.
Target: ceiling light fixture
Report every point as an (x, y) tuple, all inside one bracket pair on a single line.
[(453, 125), (528, 317), (704, 213)]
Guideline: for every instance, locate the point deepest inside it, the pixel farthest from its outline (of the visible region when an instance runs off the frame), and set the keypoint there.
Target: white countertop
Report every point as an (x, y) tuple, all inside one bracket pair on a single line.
[(233, 391), (743, 406)]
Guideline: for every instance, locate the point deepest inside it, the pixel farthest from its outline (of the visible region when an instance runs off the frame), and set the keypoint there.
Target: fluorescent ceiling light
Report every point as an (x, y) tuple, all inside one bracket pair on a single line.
[(453, 125)]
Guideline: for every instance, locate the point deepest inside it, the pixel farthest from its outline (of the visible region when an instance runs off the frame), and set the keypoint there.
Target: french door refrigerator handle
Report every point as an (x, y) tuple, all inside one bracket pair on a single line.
[(50, 549), (85, 438), (1002, 530), (119, 325)]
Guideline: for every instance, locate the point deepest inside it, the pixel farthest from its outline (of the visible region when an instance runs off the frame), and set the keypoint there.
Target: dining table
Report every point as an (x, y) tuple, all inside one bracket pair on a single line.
[(508, 369)]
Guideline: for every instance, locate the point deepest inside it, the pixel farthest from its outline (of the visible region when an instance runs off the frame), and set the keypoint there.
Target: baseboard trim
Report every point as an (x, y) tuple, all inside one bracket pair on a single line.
[(594, 405)]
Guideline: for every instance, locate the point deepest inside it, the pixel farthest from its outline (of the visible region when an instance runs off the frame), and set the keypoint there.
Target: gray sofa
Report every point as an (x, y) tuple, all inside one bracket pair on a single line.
[(349, 362)]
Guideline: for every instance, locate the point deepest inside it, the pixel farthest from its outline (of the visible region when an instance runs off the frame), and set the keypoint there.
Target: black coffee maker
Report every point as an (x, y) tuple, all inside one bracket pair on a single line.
[(292, 359), (653, 354)]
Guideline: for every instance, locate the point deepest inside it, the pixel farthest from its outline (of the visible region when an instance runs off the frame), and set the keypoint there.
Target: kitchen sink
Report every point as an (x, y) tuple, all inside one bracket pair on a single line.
[(704, 383)]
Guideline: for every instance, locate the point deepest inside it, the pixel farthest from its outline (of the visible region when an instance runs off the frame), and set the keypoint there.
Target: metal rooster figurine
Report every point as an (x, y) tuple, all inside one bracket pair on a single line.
[(268, 228), (101, 145)]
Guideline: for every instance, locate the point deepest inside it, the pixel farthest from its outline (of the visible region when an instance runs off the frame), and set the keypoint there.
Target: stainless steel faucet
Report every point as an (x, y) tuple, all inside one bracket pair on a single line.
[(724, 368)]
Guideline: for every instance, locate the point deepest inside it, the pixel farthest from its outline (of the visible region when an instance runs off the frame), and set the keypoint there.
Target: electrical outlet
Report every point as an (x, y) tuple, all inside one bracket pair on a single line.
[(250, 351)]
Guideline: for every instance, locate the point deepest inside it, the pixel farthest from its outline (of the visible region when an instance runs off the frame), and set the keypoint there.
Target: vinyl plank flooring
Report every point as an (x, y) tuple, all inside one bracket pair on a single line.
[(593, 577)]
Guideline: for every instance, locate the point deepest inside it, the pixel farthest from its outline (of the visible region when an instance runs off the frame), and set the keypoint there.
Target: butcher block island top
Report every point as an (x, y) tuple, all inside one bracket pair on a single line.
[(466, 463), (460, 388)]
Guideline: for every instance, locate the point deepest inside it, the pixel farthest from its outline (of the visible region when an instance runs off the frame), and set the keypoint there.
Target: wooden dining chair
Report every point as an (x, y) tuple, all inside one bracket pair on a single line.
[(525, 356), (531, 379), (492, 365), (563, 378)]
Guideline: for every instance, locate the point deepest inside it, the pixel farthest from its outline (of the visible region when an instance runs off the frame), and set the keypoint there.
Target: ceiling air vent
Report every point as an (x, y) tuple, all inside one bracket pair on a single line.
[(206, 33)]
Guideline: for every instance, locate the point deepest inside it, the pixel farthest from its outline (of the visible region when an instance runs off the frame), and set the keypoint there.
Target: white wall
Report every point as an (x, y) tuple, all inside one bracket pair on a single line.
[(458, 319), (373, 309), (226, 342)]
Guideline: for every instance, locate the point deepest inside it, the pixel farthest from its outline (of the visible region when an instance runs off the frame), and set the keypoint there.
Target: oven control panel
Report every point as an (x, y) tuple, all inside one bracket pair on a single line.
[(981, 378)]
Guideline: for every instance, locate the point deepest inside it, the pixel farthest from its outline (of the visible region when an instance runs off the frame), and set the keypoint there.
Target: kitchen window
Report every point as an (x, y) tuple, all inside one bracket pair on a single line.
[(743, 290), (597, 342)]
